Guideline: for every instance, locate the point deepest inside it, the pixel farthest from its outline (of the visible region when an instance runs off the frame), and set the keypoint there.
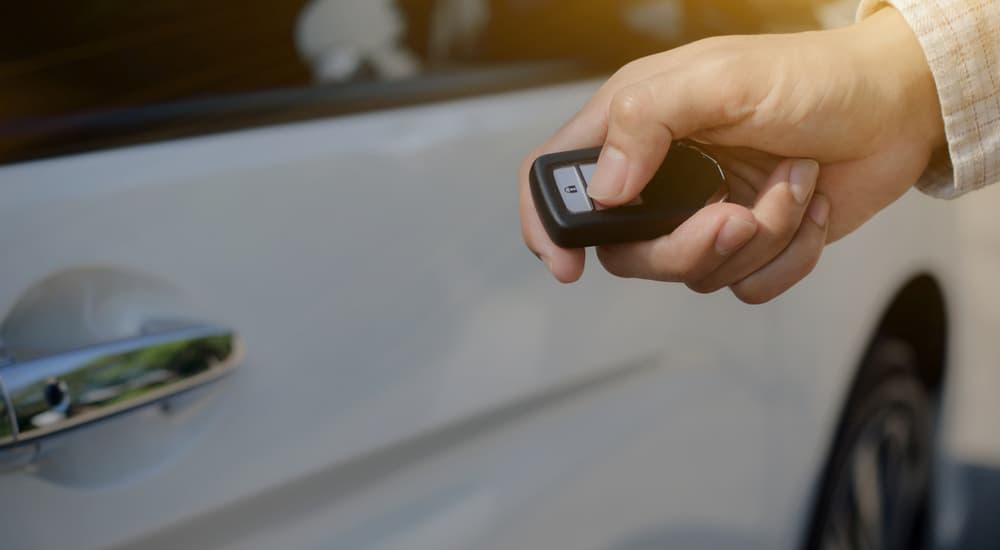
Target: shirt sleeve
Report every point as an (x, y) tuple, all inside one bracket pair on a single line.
[(961, 39)]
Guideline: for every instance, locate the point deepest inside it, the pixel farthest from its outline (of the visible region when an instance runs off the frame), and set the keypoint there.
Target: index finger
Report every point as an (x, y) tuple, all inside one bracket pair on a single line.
[(586, 129)]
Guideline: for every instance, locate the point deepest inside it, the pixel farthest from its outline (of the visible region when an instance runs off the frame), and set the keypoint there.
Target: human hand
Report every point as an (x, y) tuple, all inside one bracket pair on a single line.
[(860, 101)]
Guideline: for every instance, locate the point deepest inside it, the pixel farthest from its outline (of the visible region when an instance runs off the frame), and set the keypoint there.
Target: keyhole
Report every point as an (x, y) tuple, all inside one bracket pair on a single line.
[(55, 392)]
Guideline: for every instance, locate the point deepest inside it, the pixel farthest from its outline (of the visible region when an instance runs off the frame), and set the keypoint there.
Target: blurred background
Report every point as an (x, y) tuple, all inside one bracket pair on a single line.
[(92, 73)]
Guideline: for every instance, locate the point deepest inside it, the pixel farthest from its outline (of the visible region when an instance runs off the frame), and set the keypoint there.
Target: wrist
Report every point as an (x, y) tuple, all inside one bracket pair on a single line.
[(894, 62)]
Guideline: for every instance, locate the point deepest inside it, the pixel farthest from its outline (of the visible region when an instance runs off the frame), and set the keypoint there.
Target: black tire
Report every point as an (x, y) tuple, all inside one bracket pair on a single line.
[(875, 492)]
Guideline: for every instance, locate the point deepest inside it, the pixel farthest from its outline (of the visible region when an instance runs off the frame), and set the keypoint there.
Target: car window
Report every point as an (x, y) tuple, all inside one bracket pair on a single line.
[(84, 74)]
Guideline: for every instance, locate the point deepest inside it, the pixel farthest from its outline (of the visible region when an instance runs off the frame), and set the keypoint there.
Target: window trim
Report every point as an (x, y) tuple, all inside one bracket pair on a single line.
[(94, 131)]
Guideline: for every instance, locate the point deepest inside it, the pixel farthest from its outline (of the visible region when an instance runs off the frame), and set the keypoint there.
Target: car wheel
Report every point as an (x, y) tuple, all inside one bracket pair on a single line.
[(875, 494)]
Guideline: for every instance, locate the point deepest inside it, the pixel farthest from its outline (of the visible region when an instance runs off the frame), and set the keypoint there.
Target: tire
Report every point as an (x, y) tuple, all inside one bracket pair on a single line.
[(875, 493)]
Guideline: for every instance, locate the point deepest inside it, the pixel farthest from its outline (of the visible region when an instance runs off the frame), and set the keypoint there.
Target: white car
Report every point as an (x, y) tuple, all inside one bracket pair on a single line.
[(303, 318)]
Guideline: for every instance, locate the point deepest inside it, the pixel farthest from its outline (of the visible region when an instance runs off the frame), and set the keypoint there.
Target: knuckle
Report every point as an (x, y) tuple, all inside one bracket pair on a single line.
[(806, 267), (629, 105), (710, 43), (620, 75), (752, 293), (782, 231), (625, 73), (704, 286)]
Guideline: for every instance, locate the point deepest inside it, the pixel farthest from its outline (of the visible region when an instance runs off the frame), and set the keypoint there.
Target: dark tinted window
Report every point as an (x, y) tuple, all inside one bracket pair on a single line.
[(85, 74)]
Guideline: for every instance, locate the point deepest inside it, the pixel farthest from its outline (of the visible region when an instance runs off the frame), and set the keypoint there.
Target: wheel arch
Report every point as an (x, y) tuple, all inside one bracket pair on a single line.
[(917, 314)]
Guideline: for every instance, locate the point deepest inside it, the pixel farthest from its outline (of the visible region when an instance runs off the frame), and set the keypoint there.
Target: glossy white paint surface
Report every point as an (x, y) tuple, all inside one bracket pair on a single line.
[(414, 378)]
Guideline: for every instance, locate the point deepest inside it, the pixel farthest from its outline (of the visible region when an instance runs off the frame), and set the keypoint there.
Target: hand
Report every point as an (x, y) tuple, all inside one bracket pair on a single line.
[(817, 132)]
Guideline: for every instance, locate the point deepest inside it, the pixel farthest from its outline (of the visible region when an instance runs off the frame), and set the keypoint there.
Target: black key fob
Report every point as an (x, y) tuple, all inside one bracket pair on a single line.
[(687, 178)]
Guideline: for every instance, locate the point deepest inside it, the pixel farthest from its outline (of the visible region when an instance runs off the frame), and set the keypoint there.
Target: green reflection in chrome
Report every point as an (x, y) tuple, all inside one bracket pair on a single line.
[(109, 383)]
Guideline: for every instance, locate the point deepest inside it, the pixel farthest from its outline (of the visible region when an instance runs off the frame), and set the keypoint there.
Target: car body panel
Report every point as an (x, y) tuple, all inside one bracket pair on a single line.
[(413, 377)]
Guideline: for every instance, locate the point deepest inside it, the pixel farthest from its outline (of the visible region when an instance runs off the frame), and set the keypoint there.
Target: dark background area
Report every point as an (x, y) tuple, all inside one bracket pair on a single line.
[(85, 74)]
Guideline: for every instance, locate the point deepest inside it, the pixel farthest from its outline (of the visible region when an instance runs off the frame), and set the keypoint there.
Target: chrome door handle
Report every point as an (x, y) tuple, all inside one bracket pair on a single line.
[(48, 395)]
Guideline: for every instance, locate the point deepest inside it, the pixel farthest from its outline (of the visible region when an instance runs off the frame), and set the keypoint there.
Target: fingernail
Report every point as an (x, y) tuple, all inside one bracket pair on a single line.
[(609, 178), (735, 233), (819, 210), (803, 179)]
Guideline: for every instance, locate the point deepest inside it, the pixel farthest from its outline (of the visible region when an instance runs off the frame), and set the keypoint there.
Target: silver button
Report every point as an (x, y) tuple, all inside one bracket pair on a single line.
[(571, 188)]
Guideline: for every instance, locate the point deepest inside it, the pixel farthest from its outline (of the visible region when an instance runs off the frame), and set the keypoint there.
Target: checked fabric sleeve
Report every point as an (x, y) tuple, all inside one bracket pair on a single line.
[(961, 40)]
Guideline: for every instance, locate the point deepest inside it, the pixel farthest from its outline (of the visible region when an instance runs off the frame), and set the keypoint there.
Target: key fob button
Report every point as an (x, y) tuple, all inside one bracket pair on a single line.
[(587, 171), (572, 189)]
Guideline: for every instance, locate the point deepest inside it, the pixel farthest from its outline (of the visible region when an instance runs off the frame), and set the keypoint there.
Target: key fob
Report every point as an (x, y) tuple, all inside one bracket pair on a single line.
[(687, 178)]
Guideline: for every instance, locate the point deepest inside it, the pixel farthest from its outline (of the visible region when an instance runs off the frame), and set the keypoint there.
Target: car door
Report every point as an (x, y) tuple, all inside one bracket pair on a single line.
[(410, 376)]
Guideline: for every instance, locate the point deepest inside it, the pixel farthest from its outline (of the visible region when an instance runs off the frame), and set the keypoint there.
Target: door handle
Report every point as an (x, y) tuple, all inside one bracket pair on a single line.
[(50, 395)]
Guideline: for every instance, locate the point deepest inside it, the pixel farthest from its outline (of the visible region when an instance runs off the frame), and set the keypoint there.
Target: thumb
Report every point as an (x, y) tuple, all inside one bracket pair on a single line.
[(643, 119)]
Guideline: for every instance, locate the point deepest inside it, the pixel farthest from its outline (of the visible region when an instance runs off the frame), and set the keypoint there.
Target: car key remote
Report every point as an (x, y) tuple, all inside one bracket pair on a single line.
[(687, 178)]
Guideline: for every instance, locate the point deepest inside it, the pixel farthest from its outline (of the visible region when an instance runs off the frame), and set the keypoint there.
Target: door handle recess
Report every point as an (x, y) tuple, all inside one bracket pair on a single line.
[(49, 395)]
